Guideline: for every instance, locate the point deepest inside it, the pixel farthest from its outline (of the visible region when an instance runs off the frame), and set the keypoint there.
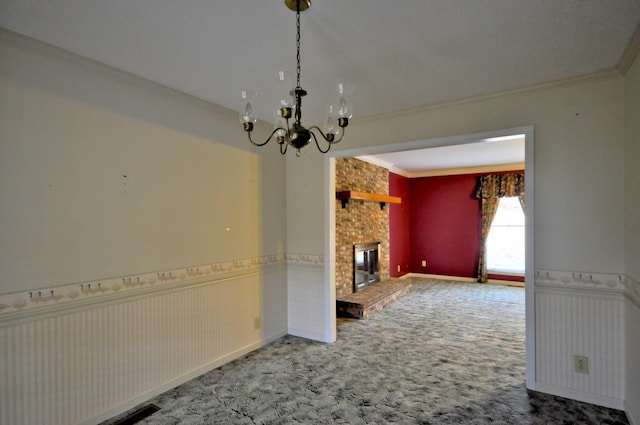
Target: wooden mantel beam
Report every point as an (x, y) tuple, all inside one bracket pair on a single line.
[(346, 195)]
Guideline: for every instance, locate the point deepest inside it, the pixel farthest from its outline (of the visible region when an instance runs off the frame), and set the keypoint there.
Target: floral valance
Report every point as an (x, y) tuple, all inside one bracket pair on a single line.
[(500, 185)]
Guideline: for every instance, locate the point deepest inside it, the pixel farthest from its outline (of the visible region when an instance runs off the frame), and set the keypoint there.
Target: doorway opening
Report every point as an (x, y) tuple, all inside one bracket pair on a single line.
[(477, 138)]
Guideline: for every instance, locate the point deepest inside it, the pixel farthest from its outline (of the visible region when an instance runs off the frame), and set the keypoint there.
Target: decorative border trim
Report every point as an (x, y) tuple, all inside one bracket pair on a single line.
[(604, 281), (633, 291), (27, 300), (305, 259), (74, 292)]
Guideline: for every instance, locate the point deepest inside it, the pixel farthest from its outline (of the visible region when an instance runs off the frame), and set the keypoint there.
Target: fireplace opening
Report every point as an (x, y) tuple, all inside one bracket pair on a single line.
[(366, 267)]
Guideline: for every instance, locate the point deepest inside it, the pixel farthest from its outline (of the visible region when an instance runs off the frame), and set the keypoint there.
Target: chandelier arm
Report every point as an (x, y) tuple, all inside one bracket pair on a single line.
[(268, 139), (331, 142), (283, 148), (316, 140)]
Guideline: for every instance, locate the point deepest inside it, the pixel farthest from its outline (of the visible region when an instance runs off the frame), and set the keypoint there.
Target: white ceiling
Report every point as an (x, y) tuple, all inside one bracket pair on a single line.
[(399, 55), (500, 153)]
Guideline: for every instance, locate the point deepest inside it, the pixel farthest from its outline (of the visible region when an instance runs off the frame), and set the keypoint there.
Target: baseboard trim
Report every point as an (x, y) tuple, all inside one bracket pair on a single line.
[(630, 418), (506, 282), (598, 400), (303, 333), (461, 279), (440, 276), (148, 395)]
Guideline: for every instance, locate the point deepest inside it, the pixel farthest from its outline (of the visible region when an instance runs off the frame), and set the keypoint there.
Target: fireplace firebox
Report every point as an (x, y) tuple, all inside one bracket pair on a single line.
[(366, 267)]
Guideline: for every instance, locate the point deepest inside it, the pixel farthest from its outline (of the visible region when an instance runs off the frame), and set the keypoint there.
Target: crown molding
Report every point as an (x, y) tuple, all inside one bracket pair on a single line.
[(587, 78), (376, 161), (466, 170), (630, 52), (443, 171)]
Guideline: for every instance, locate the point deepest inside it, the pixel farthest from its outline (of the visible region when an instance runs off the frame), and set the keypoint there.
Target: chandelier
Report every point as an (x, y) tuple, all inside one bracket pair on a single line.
[(294, 134)]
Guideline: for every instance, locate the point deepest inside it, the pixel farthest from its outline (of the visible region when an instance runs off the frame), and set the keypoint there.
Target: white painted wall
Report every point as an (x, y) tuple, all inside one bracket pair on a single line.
[(579, 207), (632, 236), (71, 129), (70, 132), (632, 171), (579, 157), (196, 202)]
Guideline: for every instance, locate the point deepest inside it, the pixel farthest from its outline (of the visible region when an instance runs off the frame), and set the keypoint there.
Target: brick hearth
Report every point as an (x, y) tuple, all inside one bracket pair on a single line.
[(362, 304)]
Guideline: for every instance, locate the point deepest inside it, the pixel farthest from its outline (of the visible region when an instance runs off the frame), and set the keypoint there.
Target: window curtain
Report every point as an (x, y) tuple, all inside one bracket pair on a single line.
[(491, 188)]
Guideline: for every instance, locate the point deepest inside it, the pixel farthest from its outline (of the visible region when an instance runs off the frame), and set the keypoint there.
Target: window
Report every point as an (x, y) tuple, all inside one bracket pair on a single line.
[(505, 244)]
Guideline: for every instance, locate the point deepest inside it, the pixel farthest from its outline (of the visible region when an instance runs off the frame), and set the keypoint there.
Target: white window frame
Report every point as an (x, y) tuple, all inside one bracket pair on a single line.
[(506, 270)]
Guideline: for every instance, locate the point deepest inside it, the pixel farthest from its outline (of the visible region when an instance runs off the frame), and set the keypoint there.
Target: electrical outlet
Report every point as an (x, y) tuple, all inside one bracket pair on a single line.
[(398, 268), (581, 364), (257, 322), (424, 263)]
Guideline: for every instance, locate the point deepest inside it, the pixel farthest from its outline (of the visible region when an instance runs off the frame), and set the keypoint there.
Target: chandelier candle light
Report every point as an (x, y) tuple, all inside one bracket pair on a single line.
[(295, 134)]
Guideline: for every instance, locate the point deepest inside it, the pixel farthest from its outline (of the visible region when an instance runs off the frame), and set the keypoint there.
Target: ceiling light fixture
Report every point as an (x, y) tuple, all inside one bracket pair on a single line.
[(296, 135)]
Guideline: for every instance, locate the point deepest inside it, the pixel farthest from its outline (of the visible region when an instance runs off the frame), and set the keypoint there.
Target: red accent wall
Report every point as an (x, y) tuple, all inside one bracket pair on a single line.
[(437, 221), (444, 223), (399, 235)]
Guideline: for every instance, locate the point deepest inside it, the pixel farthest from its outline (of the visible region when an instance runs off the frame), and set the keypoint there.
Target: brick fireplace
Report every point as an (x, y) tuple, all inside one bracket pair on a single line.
[(360, 222)]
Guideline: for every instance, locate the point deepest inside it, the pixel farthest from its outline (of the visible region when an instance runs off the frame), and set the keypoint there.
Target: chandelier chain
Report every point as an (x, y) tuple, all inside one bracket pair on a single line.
[(298, 45)]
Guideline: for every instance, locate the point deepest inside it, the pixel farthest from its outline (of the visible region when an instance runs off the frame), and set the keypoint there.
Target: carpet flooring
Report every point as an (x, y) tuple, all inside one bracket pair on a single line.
[(447, 353)]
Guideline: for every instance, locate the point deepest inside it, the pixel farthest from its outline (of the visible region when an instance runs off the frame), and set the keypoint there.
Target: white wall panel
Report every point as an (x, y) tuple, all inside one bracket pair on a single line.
[(83, 365), (307, 295), (581, 321), (632, 348)]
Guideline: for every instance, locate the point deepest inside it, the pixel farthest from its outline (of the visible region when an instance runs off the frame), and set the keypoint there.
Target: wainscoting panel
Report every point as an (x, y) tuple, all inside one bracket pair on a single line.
[(632, 327), (84, 364), (307, 293), (574, 319)]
